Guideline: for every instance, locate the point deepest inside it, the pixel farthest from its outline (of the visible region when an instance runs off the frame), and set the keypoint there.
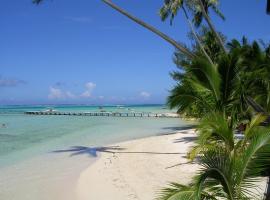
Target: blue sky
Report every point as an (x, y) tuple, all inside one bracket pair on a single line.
[(67, 51)]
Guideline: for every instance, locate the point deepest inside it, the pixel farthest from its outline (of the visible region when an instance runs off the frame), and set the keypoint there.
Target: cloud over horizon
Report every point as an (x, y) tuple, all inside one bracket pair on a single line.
[(57, 93), (145, 94), (89, 89)]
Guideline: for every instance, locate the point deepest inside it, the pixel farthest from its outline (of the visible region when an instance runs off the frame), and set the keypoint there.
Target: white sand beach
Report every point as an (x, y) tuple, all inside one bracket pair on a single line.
[(140, 169), (137, 171)]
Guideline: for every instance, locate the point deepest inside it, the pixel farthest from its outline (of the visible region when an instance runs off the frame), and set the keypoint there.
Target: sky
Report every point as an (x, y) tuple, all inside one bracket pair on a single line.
[(84, 52)]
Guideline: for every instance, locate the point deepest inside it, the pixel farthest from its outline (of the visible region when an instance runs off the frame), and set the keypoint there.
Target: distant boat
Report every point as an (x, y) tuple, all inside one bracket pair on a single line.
[(120, 106), (50, 110), (3, 125)]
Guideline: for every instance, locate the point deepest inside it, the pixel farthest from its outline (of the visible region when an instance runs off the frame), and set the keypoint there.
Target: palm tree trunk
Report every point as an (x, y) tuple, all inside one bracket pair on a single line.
[(255, 106), (181, 48), (196, 36), (207, 18)]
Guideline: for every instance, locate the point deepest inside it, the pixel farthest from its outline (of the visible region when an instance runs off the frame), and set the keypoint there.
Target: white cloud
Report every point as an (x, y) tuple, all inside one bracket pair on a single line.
[(56, 93), (90, 86), (145, 94), (70, 95), (86, 94), (89, 89)]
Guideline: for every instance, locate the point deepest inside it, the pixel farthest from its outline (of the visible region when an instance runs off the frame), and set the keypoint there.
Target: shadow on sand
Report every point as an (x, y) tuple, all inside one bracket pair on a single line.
[(185, 139), (92, 151), (183, 129)]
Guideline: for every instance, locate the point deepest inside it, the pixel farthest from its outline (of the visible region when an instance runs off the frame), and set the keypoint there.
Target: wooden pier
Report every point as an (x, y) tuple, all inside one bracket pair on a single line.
[(104, 114)]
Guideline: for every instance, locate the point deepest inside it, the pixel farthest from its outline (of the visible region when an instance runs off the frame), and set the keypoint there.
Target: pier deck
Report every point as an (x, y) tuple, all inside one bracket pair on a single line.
[(104, 114)]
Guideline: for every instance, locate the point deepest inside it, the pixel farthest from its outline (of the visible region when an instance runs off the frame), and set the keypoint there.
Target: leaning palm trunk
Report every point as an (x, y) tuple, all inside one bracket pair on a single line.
[(255, 106), (259, 109), (181, 48), (208, 20), (196, 36)]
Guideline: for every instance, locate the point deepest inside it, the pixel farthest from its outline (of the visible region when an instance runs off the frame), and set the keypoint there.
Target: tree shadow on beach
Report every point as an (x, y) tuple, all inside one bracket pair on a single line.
[(92, 151), (175, 129), (185, 139)]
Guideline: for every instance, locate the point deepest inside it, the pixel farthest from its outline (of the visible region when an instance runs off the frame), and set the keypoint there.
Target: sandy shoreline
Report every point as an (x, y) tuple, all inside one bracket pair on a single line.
[(139, 170)]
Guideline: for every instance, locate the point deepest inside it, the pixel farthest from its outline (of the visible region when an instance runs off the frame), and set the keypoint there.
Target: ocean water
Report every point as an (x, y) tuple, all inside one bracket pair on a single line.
[(24, 136), (28, 142)]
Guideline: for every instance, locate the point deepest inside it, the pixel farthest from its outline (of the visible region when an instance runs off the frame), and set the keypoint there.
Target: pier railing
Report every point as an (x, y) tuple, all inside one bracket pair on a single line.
[(105, 114)]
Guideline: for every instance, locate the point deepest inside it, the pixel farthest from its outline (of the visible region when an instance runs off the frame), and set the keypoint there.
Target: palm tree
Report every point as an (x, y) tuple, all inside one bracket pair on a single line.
[(203, 5), (203, 11), (199, 10), (245, 85), (203, 87), (171, 8), (230, 168), (256, 70)]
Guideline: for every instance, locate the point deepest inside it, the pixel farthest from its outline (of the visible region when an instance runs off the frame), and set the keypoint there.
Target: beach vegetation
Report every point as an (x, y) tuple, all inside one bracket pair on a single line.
[(231, 167), (237, 77)]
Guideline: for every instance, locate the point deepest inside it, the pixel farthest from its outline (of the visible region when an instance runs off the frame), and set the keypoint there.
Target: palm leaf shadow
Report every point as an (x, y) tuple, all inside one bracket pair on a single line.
[(91, 151)]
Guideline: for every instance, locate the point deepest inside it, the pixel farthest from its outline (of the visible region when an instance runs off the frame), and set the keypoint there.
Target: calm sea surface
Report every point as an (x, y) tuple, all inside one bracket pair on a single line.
[(29, 167), (25, 136)]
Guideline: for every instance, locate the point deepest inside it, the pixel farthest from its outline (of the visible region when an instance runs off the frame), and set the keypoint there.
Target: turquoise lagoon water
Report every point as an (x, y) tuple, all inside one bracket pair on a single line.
[(25, 136)]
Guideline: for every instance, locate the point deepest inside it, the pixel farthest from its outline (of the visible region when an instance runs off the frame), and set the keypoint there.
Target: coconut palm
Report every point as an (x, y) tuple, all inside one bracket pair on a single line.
[(256, 70), (204, 87), (230, 168), (171, 8), (245, 85), (199, 10)]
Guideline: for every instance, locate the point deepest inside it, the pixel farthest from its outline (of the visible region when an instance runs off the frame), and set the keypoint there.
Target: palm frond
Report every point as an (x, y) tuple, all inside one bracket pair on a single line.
[(176, 191), (207, 75), (215, 127)]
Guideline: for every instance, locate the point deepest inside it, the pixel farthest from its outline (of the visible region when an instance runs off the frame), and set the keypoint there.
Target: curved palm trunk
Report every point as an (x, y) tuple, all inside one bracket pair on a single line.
[(196, 36), (207, 18), (255, 106), (181, 48)]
